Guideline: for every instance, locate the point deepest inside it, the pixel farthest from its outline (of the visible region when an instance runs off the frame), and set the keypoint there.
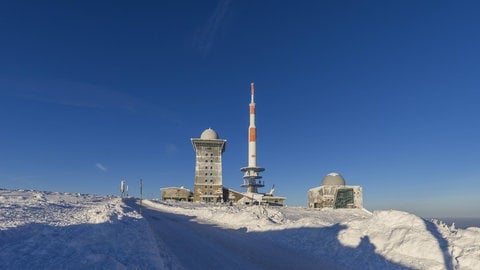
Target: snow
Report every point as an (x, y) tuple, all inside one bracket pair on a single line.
[(50, 230)]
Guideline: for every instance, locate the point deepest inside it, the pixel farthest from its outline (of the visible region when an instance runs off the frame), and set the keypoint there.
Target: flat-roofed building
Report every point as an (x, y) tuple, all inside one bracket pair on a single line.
[(176, 194)]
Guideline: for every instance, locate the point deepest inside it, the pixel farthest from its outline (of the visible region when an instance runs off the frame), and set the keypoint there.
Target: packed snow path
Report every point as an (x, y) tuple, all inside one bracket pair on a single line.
[(256, 237), (205, 246)]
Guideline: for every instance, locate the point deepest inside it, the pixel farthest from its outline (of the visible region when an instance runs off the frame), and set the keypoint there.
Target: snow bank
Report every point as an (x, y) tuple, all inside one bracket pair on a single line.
[(464, 245), (49, 230), (58, 209), (400, 237), (352, 238), (259, 218)]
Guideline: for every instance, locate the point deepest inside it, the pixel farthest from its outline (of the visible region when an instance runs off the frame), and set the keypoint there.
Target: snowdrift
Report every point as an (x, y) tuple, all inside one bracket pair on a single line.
[(350, 238), (50, 230)]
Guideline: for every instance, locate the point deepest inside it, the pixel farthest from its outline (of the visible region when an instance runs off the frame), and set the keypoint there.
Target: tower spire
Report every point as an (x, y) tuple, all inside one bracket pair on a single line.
[(252, 89)]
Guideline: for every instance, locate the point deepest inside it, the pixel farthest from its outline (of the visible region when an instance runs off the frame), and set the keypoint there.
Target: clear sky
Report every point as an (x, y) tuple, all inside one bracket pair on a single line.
[(384, 92)]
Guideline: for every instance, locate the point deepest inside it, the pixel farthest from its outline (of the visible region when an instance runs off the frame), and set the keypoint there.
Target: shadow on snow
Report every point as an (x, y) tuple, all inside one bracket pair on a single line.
[(125, 244), (323, 243), (83, 246), (298, 248), (442, 243)]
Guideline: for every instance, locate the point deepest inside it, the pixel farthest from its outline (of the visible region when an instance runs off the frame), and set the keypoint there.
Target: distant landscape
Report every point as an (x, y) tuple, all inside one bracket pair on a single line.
[(461, 223)]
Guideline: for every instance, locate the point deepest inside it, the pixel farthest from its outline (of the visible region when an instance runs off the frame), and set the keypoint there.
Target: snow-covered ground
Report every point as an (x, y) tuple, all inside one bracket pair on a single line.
[(49, 230)]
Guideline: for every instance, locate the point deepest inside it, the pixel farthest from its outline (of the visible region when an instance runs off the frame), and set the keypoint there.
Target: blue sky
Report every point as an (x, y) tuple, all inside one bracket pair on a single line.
[(384, 92)]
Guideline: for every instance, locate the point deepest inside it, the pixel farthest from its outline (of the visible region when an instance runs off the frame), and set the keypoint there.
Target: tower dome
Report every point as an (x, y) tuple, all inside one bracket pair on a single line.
[(333, 179), (209, 134)]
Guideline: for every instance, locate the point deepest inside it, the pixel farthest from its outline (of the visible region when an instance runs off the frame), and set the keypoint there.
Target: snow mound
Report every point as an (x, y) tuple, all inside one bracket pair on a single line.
[(464, 245), (351, 238), (58, 209), (50, 230), (401, 237), (250, 217)]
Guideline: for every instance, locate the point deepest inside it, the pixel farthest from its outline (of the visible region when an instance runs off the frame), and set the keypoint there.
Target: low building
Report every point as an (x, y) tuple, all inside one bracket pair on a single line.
[(250, 198), (334, 193), (233, 196), (176, 194)]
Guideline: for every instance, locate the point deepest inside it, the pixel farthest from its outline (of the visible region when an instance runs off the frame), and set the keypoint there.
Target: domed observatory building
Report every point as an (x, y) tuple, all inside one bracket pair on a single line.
[(208, 186), (334, 193)]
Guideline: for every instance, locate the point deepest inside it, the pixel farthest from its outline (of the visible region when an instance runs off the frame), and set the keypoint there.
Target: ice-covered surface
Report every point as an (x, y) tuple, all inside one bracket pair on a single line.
[(48, 230)]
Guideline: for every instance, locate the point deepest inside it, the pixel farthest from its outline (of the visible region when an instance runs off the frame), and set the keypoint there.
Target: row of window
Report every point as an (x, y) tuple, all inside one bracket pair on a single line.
[(211, 193), (206, 180)]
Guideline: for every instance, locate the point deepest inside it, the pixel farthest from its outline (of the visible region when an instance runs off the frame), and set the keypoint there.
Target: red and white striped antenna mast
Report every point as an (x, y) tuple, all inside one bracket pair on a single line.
[(251, 173)]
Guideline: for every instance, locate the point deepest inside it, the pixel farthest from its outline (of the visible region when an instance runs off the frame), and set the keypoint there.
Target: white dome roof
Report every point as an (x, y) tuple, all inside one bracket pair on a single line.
[(333, 179), (209, 134)]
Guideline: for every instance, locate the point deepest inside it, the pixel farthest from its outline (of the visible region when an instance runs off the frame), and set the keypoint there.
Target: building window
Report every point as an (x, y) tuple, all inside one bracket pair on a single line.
[(206, 167), (211, 155), (211, 180), (206, 173), (211, 160), (211, 173), (211, 168), (206, 180)]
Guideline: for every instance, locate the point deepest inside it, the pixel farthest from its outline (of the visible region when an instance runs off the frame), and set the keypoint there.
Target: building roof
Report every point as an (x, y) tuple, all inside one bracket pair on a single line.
[(333, 179), (173, 188), (209, 134)]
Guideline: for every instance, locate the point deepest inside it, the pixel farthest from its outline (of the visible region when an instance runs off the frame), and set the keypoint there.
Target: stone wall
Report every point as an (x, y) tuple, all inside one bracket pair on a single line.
[(208, 170)]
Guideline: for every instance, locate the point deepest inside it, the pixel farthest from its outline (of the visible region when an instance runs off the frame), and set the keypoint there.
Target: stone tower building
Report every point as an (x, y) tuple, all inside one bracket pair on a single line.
[(208, 186)]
